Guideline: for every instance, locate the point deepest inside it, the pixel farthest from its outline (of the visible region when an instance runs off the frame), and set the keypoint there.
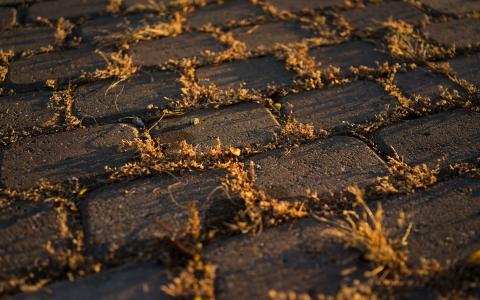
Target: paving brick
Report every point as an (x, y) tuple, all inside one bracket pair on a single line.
[(299, 5), (354, 53), (453, 134), (25, 229), (126, 283), (69, 9), (453, 6), (237, 125), (224, 14), (466, 67), (423, 82), (257, 73), (131, 214), (323, 166), (8, 18), (159, 51), (82, 153), (27, 38), (294, 256), (128, 4), (268, 35), (101, 27), (97, 102), (25, 110), (459, 33), (372, 17), (59, 65), (445, 219), (330, 108)]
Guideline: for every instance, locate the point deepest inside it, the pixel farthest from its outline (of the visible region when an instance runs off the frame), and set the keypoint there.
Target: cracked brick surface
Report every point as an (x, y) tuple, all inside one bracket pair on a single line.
[(211, 149)]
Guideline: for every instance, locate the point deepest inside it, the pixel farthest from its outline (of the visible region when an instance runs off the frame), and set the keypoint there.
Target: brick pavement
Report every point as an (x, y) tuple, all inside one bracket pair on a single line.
[(144, 142)]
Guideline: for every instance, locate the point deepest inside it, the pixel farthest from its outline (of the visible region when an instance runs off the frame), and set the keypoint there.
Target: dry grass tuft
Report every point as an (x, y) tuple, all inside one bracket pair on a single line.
[(366, 233), (404, 42), (197, 279), (260, 208), (63, 29), (5, 57), (114, 6), (295, 132), (119, 65), (62, 102), (403, 178)]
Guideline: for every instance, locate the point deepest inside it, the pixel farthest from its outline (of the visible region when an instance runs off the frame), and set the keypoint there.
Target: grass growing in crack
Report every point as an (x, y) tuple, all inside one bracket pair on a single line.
[(366, 232), (119, 65), (63, 30), (62, 102), (197, 279), (260, 208), (5, 57), (403, 178), (114, 6), (404, 42)]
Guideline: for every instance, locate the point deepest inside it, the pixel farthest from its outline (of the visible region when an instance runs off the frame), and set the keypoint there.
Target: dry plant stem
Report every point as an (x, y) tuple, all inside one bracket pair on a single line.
[(366, 233)]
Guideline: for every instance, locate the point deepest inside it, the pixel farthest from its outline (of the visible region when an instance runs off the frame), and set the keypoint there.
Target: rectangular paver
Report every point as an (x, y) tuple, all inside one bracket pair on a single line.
[(453, 134), (8, 18), (300, 5), (159, 51), (82, 153), (59, 65), (99, 102), (256, 73), (268, 35), (330, 108), (237, 125), (466, 67), (27, 38), (453, 6), (371, 17), (224, 14), (462, 33), (324, 166), (349, 54), (132, 214), (69, 9)]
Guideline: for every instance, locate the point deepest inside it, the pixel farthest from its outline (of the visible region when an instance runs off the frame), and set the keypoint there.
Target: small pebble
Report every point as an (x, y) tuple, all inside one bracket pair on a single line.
[(138, 122), (195, 121)]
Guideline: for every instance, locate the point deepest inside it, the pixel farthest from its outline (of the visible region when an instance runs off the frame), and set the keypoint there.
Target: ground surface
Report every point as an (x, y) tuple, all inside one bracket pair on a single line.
[(130, 131)]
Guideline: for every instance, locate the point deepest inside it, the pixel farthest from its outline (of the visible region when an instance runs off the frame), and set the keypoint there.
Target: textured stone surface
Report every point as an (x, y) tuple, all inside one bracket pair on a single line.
[(452, 134), (445, 219), (8, 18), (349, 54), (269, 34), (295, 257), (372, 17), (236, 125), (257, 73), (424, 83), (60, 65), (98, 102), (27, 38), (330, 108), (466, 67), (69, 9), (323, 166), (127, 283), (132, 214), (56, 157), (25, 230), (25, 110), (299, 5), (224, 14), (458, 33), (159, 51), (453, 6)]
